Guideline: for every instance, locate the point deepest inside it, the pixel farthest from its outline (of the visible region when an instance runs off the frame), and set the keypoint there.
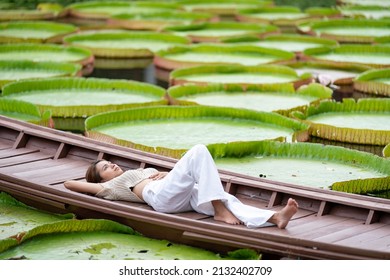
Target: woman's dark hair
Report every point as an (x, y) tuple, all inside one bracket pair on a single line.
[(92, 175)]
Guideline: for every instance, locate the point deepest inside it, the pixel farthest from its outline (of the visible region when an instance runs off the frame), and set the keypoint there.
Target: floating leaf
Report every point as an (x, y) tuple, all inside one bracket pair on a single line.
[(158, 21), (377, 56), (171, 130), (74, 99), (373, 82), (218, 31), (16, 70), (46, 52), (305, 164), (286, 42), (366, 121), (217, 54), (236, 74), (24, 111), (105, 9), (277, 98), (349, 30), (125, 44), (34, 31)]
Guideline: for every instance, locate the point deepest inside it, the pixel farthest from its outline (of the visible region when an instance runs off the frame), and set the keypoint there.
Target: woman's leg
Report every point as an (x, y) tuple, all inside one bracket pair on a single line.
[(193, 182)]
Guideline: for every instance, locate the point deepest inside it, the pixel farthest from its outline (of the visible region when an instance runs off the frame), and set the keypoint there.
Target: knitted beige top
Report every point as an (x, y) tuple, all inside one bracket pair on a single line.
[(120, 188)]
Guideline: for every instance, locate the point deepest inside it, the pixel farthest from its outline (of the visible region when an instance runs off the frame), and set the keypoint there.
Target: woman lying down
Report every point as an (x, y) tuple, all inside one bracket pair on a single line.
[(192, 185)]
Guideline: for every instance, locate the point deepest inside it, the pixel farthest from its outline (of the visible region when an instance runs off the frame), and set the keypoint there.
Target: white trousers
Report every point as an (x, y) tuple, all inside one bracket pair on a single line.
[(191, 186)]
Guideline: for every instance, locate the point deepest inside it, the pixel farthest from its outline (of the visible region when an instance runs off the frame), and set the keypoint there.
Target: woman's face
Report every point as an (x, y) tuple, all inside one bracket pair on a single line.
[(108, 170)]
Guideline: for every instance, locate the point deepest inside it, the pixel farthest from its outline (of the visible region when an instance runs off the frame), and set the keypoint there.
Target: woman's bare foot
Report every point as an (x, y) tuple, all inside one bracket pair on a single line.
[(282, 217), (223, 214)]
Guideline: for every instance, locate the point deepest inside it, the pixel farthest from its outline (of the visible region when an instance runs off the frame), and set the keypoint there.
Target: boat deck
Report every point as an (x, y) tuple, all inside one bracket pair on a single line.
[(35, 161)]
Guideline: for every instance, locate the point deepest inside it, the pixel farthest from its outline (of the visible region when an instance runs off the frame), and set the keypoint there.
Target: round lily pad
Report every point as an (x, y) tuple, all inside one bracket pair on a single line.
[(329, 73), (365, 11), (375, 81), (306, 164), (349, 30), (72, 98), (366, 121), (279, 15), (214, 54), (376, 56), (237, 74), (222, 7), (279, 98), (46, 52), (125, 44), (171, 130), (24, 14), (217, 31), (105, 9), (366, 2), (20, 70), (287, 42), (34, 31), (24, 111), (158, 21)]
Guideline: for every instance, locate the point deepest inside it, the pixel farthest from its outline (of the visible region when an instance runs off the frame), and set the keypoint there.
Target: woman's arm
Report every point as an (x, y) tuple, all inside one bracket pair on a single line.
[(83, 187)]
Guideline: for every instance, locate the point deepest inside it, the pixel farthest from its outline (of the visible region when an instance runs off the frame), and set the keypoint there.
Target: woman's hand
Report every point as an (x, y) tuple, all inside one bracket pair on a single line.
[(158, 176)]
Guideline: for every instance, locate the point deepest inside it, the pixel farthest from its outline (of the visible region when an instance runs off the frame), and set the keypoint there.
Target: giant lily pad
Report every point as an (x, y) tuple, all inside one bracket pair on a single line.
[(125, 44), (217, 31), (376, 56), (24, 69), (77, 98), (34, 31), (24, 14), (306, 164), (282, 16), (366, 121), (374, 82), (171, 130), (47, 52), (365, 2), (17, 217), (103, 240), (329, 73), (370, 12), (350, 30), (24, 111), (236, 74), (221, 7), (272, 98), (214, 54), (158, 21), (105, 9), (286, 42)]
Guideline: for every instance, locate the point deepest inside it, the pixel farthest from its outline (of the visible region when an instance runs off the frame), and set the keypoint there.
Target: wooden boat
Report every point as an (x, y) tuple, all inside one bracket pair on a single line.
[(35, 161)]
